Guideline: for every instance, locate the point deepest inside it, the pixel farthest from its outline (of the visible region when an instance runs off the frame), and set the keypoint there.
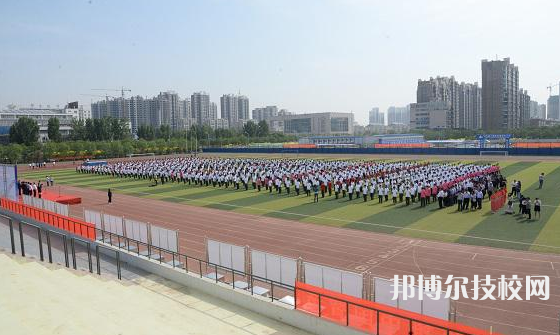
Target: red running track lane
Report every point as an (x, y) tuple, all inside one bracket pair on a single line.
[(383, 255)]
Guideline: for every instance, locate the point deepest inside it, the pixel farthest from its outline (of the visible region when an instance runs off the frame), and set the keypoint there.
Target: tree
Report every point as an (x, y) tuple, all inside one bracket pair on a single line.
[(53, 129), (24, 131), (118, 128), (90, 134), (250, 129), (14, 153), (164, 132), (146, 132), (262, 128), (78, 132)]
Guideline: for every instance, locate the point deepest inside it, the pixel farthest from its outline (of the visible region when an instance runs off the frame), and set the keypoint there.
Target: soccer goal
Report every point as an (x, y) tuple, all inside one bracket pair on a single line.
[(494, 153), (147, 154)]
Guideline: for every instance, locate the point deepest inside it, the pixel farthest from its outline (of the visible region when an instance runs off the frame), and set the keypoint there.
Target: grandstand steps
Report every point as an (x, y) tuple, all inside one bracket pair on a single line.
[(41, 298)]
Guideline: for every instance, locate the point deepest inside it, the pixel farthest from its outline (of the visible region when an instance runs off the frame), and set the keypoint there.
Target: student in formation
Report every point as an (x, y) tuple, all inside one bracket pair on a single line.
[(440, 195), (315, 193)]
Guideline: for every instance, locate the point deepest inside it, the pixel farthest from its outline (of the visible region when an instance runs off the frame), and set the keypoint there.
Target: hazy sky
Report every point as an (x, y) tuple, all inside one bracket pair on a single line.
[(303, 55)]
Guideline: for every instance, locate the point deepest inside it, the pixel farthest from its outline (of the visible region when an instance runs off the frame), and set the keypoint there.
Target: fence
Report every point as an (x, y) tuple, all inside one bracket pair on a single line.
[(69, 245), (541, 151), (371, 317), (144, 232), (72, 225), (48, 205), (334, 279), (437, 308), (274, 290), (337, 307)]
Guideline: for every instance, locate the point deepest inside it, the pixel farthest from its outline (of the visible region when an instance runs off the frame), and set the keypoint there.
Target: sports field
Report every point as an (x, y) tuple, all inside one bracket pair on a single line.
[(478, 227)]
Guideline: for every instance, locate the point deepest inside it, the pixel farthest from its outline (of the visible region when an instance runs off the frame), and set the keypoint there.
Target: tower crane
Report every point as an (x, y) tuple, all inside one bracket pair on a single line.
[(550, 87), (122, 90)]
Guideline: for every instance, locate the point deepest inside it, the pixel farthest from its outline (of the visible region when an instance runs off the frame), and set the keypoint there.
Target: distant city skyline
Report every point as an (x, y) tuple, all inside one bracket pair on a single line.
[(315, 56)]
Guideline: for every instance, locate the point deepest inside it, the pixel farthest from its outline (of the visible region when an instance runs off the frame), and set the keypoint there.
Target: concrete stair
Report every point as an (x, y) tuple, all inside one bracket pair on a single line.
[(41, 298)]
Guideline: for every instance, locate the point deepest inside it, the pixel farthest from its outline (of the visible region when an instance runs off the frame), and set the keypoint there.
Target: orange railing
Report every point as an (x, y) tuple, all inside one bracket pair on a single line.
[(401, 145), (371, 317), (536, 145), (78, 227)]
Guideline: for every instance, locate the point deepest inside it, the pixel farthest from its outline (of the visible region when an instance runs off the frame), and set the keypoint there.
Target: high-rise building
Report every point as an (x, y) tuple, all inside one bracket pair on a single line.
[(444, 89), (431, 115), (553, 108), (200, 107), (170, 110), (500, 95), (524, 107), (534, 112), (213, 111), (313, 123), (243, 108), (469, 114), (375, 117), (234, 108), (398, 115), (265, 113), (542, 111), (229, 107)]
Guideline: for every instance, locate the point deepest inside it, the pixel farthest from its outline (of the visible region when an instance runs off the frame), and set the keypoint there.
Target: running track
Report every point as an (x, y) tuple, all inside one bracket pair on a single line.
[(381, 254)]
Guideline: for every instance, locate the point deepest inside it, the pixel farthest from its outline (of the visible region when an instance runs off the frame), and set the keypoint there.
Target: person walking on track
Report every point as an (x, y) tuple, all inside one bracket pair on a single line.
[(109, 196)]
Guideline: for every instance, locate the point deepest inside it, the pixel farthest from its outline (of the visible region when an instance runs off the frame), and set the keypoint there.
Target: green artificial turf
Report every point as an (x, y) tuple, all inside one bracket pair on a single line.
[(477, 227)]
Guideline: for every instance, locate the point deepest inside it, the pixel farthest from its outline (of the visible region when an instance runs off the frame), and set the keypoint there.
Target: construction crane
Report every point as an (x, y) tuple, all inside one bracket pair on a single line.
[(550, 87), (122, 90)]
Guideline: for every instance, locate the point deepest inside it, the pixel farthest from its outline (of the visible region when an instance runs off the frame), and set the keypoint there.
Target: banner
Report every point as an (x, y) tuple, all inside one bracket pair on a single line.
[(498, 199), (8, 182)]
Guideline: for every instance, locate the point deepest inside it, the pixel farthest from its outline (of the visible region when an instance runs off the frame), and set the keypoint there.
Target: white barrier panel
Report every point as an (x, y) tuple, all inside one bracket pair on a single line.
[(213, 250), (258, 263), (27, 200), (49, 206), (37, 203), (274, 267), (413, 304), (437, 308), (93, 217), (334, 279), (164, 238), (383, 292), (8, 182), (113, 224), (136, 230), (352, 284), (61, 209), (227, 255), (314, 275)]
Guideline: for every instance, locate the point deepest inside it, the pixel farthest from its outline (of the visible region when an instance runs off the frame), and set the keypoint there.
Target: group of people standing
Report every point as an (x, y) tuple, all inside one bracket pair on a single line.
[(526, 205), (399, 182), (33, 189)]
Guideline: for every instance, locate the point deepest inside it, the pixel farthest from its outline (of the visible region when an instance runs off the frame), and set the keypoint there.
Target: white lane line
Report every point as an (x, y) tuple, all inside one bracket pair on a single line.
[(360, 222)]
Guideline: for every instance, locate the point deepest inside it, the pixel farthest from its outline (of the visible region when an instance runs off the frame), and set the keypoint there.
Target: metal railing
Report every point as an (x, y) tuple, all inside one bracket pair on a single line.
[(254, 284), (71, 241), (411, 322), (202, 268)]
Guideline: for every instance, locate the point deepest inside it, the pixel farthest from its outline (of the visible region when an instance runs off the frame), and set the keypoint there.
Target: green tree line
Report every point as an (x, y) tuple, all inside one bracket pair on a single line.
[(110, 137)]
